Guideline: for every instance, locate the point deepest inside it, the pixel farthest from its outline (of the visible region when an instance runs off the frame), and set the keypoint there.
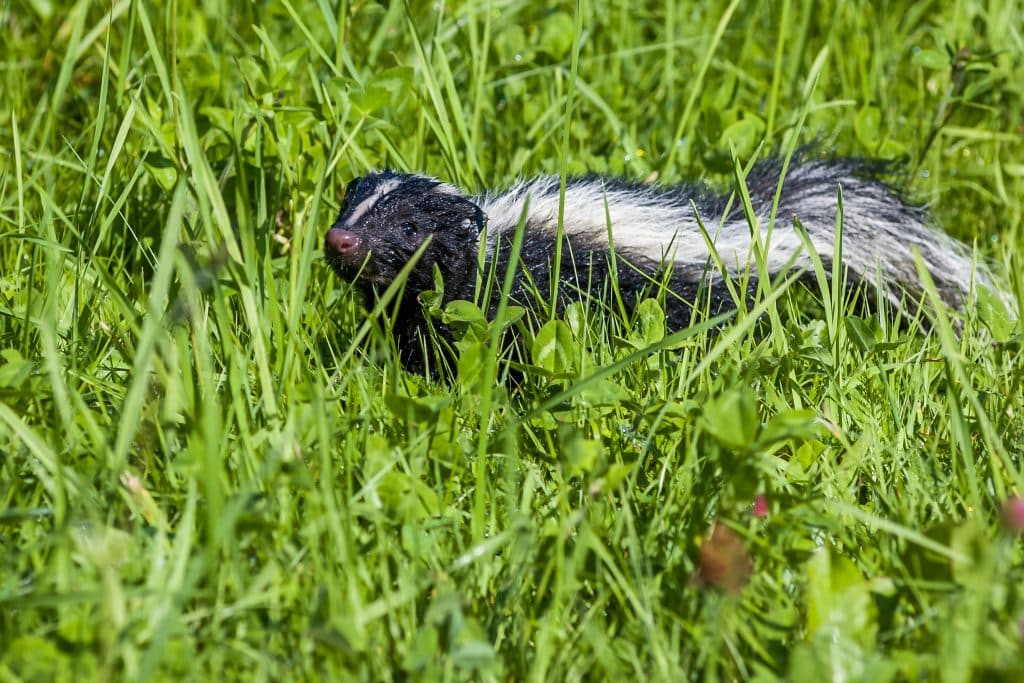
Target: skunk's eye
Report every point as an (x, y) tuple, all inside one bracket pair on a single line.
[(409, 229)]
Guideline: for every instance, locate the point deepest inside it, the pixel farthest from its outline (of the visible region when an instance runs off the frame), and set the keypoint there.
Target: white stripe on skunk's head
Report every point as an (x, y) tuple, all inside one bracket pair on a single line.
[(371, 194), (386, 216)]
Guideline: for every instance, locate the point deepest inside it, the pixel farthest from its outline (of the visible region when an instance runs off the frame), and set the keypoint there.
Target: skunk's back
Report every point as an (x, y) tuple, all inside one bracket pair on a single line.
[(881, 231)]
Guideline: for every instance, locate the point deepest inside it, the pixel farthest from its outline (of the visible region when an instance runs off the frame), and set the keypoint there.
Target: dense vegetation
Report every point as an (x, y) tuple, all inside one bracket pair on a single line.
[(211, 464)]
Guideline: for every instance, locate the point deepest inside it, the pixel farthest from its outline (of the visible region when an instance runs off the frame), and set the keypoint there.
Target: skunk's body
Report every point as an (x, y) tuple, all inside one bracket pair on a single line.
[(385, 217)]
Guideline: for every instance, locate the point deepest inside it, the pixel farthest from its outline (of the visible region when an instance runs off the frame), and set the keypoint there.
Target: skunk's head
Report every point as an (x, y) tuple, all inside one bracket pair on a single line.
[(385, 217)]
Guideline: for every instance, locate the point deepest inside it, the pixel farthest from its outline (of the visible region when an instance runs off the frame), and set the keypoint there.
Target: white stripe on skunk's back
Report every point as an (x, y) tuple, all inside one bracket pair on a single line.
[(646, 222)]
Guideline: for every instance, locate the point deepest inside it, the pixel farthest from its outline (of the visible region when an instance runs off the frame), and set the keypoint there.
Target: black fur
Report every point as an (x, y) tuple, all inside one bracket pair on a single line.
[(390, 215), (392, 230)]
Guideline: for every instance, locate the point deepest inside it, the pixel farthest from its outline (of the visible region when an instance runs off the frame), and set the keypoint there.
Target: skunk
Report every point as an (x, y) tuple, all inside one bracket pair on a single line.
[(655, 239)]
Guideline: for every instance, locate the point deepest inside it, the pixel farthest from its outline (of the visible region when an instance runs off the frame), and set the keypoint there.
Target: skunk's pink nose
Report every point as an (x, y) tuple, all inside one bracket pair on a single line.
[(341, 242)]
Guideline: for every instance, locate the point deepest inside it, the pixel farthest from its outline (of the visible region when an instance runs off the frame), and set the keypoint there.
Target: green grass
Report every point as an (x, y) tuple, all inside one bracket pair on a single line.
[(211, 464)]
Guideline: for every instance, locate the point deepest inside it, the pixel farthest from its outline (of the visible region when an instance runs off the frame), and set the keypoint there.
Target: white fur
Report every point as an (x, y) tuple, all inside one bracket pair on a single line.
[(379, 192), (445, 188), (880, 234), (644, 223)]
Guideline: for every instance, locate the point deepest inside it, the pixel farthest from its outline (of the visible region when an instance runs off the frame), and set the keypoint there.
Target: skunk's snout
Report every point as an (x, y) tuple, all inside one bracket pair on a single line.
[(340, 242)]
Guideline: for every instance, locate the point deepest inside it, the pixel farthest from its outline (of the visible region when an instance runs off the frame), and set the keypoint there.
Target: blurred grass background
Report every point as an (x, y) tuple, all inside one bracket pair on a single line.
[(202, 474)]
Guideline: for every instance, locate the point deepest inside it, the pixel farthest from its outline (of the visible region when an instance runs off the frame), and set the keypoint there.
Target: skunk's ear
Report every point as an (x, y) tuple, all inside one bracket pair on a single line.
[(480, 219), (473, 219)]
